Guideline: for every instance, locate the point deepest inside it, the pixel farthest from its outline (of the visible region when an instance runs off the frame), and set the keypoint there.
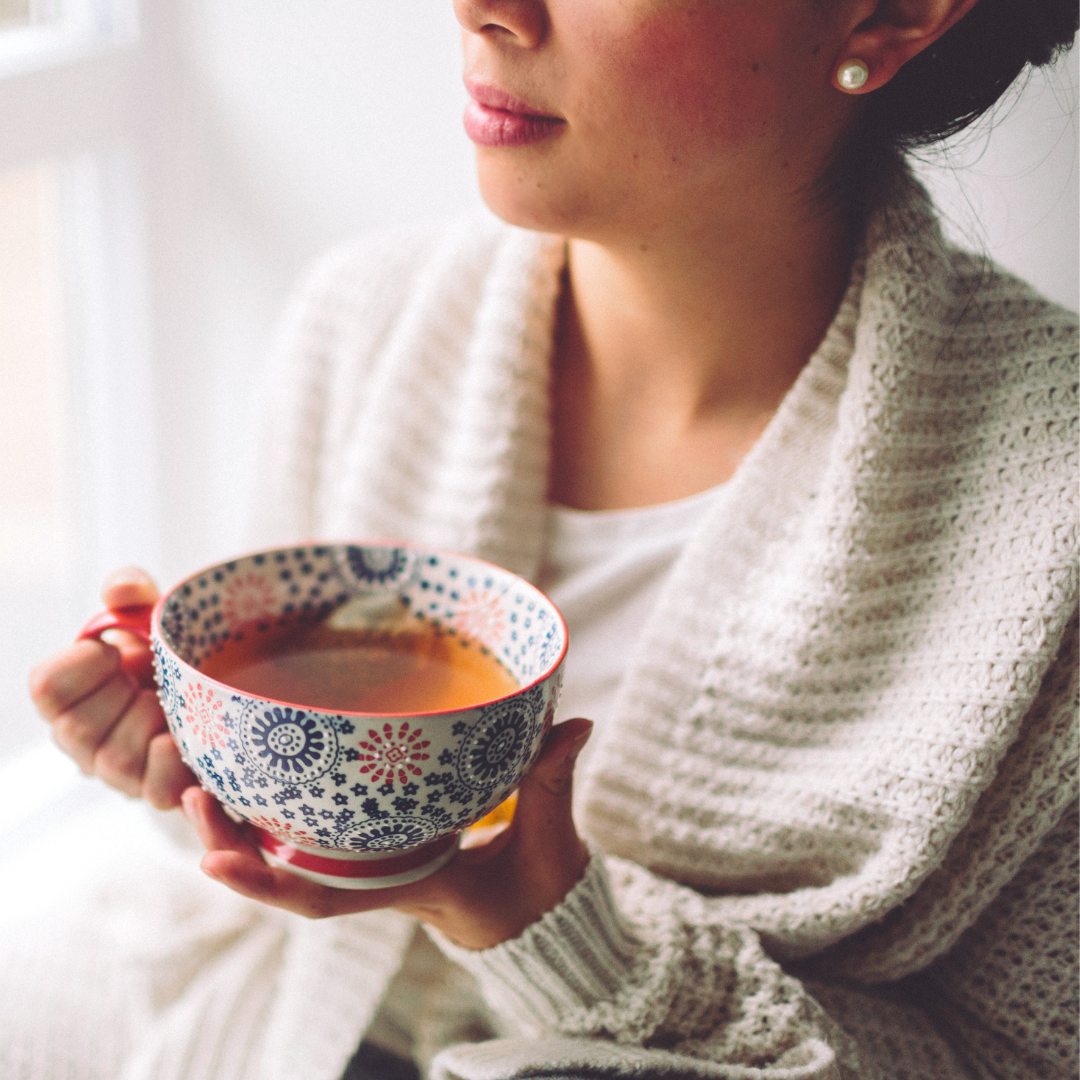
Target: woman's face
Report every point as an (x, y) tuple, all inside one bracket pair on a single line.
[(649, 110)]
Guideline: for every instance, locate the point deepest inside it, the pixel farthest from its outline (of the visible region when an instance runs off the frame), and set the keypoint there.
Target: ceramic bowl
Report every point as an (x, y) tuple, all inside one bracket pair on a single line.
[(348, 799)]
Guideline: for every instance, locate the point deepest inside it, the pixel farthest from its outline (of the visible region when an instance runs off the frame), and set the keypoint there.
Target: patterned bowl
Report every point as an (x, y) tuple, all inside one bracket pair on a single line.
[(351, 800)]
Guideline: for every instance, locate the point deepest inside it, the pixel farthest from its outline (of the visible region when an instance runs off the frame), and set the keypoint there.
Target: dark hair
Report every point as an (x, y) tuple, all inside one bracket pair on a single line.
[(967, 70), (949, 85)]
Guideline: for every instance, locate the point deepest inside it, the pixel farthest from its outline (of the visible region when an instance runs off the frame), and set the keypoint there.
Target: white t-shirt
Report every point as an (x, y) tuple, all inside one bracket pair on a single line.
[(604, 570)]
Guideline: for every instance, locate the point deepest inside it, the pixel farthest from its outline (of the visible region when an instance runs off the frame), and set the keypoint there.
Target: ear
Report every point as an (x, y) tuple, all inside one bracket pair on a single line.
[(886, 34)]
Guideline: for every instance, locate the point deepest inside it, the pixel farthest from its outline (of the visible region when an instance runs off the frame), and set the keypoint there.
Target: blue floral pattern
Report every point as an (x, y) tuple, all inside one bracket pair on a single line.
[(168, 677), (496, 745), (378, 565), (289, 745), (389, 834)]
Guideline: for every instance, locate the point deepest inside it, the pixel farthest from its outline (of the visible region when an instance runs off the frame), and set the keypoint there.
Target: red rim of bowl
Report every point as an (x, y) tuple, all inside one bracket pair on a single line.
[(159, 607)]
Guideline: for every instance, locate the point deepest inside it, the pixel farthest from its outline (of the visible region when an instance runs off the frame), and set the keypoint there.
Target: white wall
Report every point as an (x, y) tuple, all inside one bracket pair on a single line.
[(1009, 187), (305, 124)]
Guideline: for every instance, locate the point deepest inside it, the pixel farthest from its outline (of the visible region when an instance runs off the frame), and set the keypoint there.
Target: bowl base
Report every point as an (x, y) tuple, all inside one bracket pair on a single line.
[(357, 870)]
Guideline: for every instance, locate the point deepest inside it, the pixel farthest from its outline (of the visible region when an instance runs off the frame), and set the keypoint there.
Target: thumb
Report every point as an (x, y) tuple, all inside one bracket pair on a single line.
[(551, 778), (547, 844), (129, 587)]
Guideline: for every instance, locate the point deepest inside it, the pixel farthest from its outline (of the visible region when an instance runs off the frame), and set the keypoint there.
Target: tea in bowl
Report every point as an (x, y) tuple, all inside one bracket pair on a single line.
[(358, 705)]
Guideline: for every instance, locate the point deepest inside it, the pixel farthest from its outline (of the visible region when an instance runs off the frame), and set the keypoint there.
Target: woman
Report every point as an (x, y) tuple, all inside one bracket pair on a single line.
[(801, 476)]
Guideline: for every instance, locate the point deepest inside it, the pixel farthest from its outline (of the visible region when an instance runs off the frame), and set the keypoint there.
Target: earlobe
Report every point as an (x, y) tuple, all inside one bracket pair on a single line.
[(895, 33)]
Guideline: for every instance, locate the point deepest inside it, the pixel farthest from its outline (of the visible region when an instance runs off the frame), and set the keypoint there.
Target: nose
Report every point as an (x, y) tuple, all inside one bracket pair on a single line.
[(522, 22)]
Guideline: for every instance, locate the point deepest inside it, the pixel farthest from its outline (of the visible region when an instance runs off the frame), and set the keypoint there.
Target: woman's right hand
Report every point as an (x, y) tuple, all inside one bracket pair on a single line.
[(100, 702)]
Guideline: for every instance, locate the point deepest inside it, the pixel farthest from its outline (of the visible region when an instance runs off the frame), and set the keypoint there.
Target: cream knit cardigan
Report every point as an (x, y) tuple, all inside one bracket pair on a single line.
[(837, 800)]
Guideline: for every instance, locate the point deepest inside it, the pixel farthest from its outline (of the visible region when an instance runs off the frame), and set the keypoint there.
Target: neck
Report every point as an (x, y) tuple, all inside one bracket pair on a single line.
[(735, 312), (694, 334)]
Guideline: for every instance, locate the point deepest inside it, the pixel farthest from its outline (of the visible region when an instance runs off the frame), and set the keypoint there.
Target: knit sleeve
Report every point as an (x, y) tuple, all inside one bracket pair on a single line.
[(644, 982), (626, 959), (1008, 990)]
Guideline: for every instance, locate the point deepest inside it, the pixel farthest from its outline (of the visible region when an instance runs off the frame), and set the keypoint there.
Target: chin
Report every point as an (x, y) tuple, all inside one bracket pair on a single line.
[(522, 196)]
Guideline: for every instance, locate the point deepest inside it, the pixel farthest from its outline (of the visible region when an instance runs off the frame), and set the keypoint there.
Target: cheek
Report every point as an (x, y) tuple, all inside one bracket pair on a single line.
[(683, 79)]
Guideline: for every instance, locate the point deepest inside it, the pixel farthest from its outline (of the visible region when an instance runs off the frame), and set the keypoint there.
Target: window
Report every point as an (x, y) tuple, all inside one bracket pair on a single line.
[(14, 13), (38, 34), (76, 439), (34, 485)]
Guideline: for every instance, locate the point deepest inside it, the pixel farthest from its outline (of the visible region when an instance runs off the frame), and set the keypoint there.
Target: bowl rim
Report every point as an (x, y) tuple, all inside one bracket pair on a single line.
[(157, 632)]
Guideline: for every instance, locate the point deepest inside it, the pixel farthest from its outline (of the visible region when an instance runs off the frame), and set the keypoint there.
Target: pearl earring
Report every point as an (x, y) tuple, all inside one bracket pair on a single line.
[(852, 74)]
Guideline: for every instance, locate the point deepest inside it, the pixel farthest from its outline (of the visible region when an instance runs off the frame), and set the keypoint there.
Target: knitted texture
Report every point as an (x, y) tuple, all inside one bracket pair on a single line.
[(647, 977), (830, 811), (848, 724)]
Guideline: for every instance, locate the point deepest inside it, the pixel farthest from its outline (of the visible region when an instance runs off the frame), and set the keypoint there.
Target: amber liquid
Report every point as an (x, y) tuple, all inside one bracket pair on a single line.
[(368, 671)]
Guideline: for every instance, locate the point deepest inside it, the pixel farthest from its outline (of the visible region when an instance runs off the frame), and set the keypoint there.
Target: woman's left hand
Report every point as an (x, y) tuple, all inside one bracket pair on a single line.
[(483, 897)]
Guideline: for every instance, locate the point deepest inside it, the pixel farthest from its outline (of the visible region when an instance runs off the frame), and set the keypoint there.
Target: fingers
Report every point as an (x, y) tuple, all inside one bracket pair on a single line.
[(135, 656), (120, 759), (544, 809), (230, 858), (490, 894), (82, 728), (234, 861), (216, 830), (534, 864), (110, 727), (166, 777), (483, 897), (65, 679), (129, 587), (90, 694)]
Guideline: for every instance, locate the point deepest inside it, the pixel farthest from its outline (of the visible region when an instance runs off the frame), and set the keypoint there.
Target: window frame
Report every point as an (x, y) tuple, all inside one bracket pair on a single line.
[(87, 93)]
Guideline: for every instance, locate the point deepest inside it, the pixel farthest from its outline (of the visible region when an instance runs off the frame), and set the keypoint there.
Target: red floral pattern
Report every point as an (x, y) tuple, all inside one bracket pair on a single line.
[(393, 754), (286, 833), (482, 617), (247, 597), (204, 718)]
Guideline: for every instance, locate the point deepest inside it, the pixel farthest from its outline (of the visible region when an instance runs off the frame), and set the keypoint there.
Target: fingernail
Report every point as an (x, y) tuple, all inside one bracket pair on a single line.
[(129, 575), (186, 805), (579, 744)]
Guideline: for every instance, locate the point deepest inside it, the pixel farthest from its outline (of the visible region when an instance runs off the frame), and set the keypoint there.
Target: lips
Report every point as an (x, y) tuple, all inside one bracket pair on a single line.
[(496, 118)]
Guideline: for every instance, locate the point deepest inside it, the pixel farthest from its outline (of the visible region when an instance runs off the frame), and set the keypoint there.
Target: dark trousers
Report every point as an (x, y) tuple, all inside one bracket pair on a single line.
[(371, 1062)]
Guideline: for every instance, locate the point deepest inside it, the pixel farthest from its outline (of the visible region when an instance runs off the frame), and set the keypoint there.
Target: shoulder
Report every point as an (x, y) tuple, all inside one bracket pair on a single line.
[(1012, 359), (945, 309), (1007, 317), (362, 295), (964, 350), (961, 407), (372, 279)]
